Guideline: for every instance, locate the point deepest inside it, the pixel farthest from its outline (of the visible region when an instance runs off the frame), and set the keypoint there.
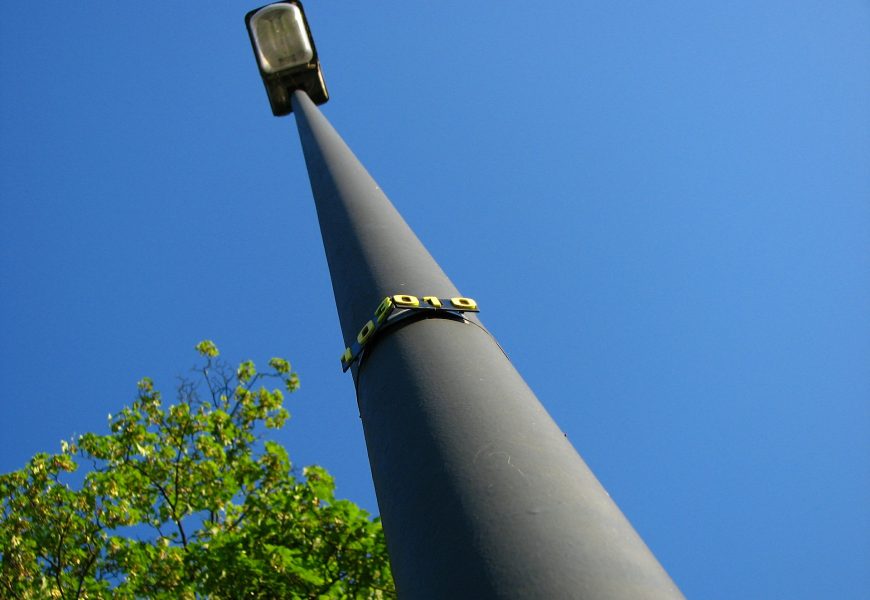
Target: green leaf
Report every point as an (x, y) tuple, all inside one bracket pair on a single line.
[(207, 348), (280, 365), (246, 371)]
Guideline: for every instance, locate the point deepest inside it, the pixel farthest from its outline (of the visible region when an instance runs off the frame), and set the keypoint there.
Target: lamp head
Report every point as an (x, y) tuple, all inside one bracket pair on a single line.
[(285, 54)]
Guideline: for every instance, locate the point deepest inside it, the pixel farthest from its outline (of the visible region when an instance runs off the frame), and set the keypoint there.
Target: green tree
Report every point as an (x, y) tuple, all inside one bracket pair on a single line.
[(188, 501)]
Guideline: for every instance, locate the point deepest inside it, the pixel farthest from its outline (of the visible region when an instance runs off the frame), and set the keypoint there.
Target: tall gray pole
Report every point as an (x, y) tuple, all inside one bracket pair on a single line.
[(480, 493)]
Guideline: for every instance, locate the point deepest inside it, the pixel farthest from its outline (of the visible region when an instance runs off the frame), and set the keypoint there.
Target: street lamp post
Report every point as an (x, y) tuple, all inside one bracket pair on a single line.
[(480, 493), (286, 54)]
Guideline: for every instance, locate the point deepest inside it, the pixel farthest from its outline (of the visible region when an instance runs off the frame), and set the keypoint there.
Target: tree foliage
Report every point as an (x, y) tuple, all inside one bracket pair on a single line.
[(187, 501)]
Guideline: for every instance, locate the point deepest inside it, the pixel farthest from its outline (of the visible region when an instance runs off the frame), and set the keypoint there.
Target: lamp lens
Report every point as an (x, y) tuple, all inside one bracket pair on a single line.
[(280, 36)]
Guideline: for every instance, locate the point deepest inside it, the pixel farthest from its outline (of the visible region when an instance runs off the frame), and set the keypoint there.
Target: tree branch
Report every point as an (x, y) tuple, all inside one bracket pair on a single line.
[(84, 572)]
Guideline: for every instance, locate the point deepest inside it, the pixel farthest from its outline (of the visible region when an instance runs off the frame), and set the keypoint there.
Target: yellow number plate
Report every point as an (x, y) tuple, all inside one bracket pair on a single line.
[(397, 307)]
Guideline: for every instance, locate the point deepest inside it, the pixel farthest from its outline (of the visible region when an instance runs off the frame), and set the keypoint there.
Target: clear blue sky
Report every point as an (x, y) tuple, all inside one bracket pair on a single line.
[(663, 209)]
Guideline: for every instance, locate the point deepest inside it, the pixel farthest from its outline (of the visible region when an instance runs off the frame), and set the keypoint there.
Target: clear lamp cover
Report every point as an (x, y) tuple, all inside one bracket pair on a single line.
[(280, 37)]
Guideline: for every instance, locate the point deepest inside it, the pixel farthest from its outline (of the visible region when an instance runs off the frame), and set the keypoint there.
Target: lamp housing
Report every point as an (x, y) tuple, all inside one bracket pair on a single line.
[(285, 54)]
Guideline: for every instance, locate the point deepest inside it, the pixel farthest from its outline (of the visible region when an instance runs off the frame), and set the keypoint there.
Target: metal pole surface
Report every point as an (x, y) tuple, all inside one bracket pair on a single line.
[(481, 494)]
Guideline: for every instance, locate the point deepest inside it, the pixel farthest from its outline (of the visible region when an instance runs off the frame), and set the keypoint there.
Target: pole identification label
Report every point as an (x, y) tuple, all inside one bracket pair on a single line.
[(397, 307)]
